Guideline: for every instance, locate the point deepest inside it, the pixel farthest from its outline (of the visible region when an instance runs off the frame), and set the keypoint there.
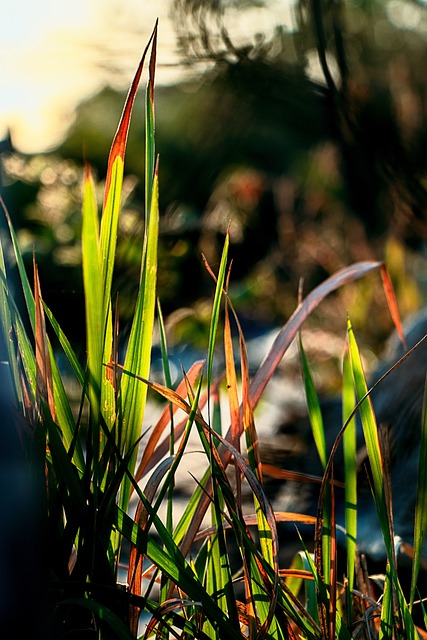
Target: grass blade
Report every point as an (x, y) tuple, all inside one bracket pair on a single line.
[(93, 296), (44, 384), (314, 412), (420, 527), (370, 431), (350, 474), (137, 361)]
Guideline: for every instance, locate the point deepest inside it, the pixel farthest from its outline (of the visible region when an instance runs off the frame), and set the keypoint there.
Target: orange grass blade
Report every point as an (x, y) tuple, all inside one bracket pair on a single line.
[(251, 520), (392, 303), (113, 189), (118, 148), (150, 448), (135, 557), (230, 372), (44, 384), (301, 313), (280, 346)]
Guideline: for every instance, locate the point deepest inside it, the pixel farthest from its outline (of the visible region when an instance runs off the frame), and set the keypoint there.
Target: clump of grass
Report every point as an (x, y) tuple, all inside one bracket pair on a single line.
[(223, 581)]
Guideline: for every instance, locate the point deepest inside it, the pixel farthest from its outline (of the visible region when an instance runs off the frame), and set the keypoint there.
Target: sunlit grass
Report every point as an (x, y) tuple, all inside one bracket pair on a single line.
[(223, 581)]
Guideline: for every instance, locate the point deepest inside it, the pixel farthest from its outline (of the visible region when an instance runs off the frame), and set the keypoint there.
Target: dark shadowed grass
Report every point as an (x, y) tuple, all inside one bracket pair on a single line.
[(214, 571)]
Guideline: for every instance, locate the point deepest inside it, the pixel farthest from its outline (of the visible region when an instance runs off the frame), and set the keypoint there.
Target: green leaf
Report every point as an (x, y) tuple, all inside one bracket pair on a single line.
[(174, 566), (95, 326), (216, 307), (370, 431), (138, 355), (121, 631), (350, 474), (314, 412)]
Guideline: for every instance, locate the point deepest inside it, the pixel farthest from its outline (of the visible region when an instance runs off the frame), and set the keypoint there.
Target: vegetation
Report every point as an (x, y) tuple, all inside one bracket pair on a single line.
[(191, 580), (317, 176)]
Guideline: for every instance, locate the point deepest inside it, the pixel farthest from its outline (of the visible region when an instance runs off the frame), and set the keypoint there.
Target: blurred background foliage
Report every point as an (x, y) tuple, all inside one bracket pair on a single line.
[(308, 142)]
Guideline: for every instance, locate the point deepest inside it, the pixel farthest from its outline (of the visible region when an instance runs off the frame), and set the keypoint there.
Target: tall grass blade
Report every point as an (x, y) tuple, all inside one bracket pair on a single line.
[(26, 287), (376, 463), (282, 342), (286, 336), (420, 527), (44, 384), (387, 618), (26, 354), (350, 475), (313, 406), (216, 308), (93, 297), (113, 186), (133, 394), (370, 431), (66, 347), (7, 319), (172, 564), (153, 452)]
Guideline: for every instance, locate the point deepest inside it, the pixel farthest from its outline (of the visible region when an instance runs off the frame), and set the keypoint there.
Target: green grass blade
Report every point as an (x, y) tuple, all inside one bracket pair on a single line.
[(93, 296), (150, 147), (300, 561), (216, 308), (374, 453), (137, 361), (350, 474), (26, 287), (316, 422), (64, 415), (421, 504), (174, 566), (132, 394), (370, 431), (113, 187), (26, 353), (387, 622), (7, 315), (121, 631), (66, 346), (108, 234), (314, 412)]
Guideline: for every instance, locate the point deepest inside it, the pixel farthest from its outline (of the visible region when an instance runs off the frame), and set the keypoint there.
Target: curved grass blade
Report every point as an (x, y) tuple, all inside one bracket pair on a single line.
[(8, 319), (173, 565), (301, 313), (26, 287), (283, 341), (66, 346), (121, 631), (152, 451)]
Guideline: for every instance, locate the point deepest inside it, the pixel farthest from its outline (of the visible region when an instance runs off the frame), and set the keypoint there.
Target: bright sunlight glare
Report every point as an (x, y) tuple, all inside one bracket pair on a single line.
[(55, 54)]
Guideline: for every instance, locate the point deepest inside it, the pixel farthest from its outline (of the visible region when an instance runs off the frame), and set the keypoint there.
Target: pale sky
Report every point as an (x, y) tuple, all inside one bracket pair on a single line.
[(54, 53)]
